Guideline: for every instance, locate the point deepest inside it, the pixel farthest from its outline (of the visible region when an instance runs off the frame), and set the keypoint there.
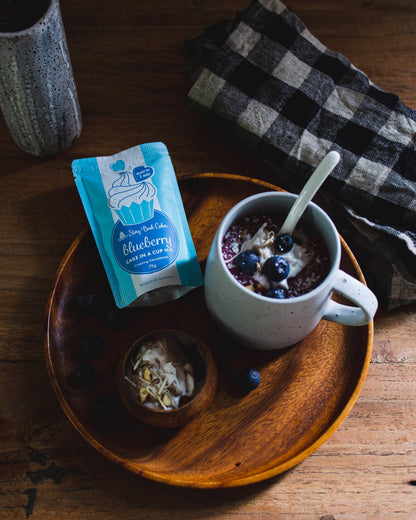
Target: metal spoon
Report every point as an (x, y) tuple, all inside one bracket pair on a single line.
[(315, 181)]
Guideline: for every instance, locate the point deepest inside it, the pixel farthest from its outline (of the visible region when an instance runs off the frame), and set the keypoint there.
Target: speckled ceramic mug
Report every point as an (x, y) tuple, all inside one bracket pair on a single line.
[(266, 323), (38, 96)]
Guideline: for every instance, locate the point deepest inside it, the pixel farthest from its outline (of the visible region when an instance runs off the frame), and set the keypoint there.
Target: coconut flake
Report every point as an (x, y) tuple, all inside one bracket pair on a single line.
[(160, 375)]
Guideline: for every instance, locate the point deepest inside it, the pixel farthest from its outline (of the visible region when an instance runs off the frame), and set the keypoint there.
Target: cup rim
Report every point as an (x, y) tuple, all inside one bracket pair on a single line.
[(28, 30), (225, 224)]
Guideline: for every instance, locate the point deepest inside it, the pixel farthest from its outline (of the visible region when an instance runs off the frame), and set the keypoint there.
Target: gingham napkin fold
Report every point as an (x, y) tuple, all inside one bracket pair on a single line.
[(269, 83)]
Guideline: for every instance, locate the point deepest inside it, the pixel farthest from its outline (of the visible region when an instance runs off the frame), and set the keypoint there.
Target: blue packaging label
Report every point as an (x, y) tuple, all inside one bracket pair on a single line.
[(135, 211), (148, 247)]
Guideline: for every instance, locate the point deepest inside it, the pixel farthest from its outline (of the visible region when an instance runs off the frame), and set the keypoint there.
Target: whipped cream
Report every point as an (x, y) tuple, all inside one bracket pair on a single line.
[(308, 259), (262, 242)]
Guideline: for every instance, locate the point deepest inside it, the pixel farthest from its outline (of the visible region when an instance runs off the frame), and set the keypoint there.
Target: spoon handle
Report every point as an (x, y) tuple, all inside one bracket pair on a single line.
[(324, 168)]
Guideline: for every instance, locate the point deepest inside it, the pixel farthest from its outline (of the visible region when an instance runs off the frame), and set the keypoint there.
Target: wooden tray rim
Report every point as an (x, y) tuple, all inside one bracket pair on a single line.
[(194, 483)]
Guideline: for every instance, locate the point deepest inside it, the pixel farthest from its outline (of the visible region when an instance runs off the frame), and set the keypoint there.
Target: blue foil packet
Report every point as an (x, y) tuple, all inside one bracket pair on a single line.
[(136, 214)]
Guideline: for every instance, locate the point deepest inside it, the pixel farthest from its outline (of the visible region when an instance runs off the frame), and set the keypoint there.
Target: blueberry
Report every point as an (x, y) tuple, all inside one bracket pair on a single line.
[(278, 293), (250, 379), (86, 301), (276, 268), (246, 261), (92, 346), (83, 374), (283, 243), (106, 405), (115, 317)]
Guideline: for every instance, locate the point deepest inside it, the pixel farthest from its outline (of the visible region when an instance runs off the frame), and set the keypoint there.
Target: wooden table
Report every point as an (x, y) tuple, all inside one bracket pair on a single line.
[(128, 63)]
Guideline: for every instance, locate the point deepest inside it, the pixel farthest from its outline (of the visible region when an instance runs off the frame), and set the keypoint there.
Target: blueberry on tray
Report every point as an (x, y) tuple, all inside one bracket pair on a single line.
[(249, 379), (115, 317), (82, 375), (106, 405), (87, 301), (92, 346)]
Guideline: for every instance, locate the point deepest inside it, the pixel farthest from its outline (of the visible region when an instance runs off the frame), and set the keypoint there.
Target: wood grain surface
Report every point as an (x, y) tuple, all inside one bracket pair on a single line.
[(129, 67)]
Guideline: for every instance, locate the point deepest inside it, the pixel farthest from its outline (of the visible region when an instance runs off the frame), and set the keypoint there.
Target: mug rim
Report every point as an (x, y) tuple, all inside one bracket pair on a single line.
[(28, 30), (225, 225)]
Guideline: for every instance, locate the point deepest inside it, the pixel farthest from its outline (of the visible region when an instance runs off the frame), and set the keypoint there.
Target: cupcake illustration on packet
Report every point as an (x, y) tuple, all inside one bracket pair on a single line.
[(132, 194)]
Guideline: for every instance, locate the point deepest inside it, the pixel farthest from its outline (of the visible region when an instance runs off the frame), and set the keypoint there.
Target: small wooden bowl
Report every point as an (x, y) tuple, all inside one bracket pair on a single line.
[(205, 375)]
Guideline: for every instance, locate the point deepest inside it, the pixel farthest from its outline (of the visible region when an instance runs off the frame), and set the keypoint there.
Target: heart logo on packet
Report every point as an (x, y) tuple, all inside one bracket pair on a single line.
[(118, 166), (141, 173)]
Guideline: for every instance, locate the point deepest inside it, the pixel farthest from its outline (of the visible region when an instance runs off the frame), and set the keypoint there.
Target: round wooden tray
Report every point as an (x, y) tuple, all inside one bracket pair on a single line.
[(305, 393)]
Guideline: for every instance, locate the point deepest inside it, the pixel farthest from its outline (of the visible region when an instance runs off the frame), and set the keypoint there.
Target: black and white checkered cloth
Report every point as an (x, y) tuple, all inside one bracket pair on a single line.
[(267, 81)]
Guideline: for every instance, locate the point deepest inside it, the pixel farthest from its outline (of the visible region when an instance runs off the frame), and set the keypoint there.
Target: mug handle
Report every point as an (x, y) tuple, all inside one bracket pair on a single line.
[(359, 294)]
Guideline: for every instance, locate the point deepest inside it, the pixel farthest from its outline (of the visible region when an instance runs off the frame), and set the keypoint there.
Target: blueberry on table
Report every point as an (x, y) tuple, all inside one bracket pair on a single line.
[(283, 243), (250, 379), (278, 293), (276, 268), (92, 346), (246, 262), (83, 374)]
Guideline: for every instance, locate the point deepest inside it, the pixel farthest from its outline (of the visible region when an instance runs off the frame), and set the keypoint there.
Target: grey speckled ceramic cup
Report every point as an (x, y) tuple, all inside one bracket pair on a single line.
[(38, 96), (268, 323)]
